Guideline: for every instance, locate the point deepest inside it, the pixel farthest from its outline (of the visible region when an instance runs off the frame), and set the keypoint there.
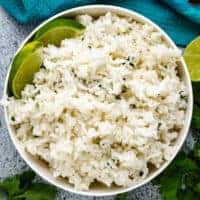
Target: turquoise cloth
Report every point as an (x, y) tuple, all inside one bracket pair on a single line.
[(180, 19), (191, 11)]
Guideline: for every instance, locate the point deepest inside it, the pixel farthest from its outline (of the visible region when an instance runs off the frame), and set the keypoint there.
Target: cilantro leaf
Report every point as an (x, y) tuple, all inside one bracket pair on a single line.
[(16, 184), (197, 187), (39, 191), (122, 196), (196, 151), (11, 185), (3, 195), (182, 171), (169, 186), (196, 117), (22, 187), (186, 194), (196, 92), (186, 164), (169, 189), (26, 179)]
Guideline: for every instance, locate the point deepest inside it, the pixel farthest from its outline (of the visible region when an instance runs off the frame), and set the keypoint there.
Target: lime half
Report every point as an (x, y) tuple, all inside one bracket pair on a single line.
[(192, 58), (26, 63), (57, 30)]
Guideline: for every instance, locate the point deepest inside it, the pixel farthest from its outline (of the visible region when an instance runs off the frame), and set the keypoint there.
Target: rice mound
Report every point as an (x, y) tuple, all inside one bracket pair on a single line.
[(106, 106)]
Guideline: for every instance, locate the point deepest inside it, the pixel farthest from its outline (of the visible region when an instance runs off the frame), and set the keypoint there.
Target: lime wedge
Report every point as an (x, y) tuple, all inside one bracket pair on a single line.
[(192, 58), (57, 30), (25, 64)]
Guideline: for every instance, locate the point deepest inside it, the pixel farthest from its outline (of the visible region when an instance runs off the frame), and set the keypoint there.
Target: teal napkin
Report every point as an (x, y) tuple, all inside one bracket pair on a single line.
[(189, 10), (180, 19)]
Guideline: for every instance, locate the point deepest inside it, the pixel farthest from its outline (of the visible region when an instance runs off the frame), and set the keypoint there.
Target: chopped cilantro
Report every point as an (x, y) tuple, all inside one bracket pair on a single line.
[(22, 187), (132, 106), (118, 97), (123, 88), (13, 118)]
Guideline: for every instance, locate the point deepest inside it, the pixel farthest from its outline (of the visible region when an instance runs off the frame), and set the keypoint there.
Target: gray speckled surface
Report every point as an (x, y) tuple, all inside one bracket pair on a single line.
[(11, 35)]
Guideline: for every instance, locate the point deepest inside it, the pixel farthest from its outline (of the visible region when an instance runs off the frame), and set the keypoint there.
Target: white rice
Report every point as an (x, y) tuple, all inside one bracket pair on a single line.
[(107, 104)]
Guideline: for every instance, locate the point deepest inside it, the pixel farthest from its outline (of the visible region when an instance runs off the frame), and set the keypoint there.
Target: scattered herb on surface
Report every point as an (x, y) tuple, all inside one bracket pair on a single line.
[(23, 187), (122, 196)]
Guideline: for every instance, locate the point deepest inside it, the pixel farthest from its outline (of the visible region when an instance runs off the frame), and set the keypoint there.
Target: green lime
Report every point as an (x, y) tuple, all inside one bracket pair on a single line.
[(192, 58), (57, 30), (26, 63)]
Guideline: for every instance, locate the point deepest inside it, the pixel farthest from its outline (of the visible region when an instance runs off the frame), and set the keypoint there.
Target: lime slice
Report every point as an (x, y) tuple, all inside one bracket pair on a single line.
[(192, 58), (57, 30), (25, 64)]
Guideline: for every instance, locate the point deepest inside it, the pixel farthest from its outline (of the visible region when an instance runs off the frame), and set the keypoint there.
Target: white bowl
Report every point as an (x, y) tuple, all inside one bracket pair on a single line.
[(98, 190)]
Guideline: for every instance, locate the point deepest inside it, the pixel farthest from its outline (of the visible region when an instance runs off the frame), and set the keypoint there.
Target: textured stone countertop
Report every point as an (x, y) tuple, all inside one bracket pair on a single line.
[(11, 35)]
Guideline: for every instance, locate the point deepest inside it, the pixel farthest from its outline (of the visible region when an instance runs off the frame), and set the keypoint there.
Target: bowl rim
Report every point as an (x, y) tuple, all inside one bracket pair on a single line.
[(134, 14)]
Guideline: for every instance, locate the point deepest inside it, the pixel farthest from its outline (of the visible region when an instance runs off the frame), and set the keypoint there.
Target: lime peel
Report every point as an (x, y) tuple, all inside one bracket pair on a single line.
[(26, 63), (192, 58), (57, 30)]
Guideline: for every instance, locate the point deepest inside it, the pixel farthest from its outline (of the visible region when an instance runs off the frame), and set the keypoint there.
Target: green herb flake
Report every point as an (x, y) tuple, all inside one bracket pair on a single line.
[(132, 106), (118, 97)]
